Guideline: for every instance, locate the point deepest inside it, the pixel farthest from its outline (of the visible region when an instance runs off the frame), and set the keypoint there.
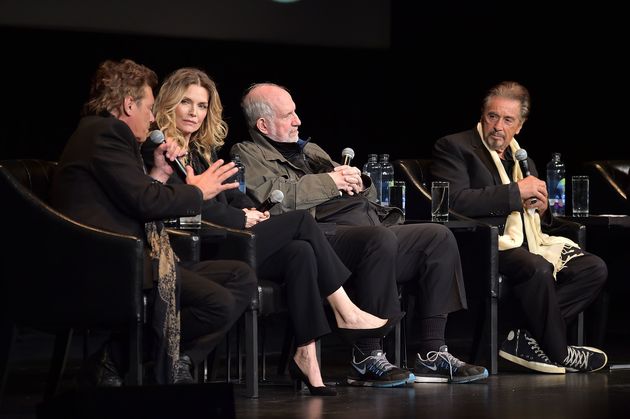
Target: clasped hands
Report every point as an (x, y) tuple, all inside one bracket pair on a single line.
[(533, 193), (253, 216), (347, 178)]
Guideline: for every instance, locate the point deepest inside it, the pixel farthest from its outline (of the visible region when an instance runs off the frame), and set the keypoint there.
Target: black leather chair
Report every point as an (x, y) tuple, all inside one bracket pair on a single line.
[(270, 299), (478, 244), (609, 186), (241, 245), (58, 275)]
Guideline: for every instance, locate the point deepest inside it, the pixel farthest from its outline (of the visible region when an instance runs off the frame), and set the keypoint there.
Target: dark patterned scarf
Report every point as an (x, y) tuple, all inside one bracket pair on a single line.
[(166, 322)]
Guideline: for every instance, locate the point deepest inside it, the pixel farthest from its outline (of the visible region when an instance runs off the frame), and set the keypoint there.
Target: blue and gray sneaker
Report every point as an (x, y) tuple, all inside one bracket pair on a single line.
[(442, 367), (376, 371)]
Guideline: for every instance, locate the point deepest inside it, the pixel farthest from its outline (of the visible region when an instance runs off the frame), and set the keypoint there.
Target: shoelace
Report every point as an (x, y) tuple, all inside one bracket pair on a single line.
[(381, 364), (576, 358), (534, 345), (451, 360)]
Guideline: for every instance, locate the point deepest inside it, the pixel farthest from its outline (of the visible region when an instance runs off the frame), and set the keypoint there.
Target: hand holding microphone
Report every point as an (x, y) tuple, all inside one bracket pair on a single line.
[(274, 198), (157, 137), (521, 157), (347, 179), (347, 154)]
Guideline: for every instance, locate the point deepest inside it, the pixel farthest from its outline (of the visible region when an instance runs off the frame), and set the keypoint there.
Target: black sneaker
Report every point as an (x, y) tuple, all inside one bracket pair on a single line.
[(522, 349), (182, 373), (376, 371), (442, 367), (584, 359)]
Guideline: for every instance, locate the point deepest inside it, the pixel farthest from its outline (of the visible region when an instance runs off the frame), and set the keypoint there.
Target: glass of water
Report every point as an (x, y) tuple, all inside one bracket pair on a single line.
[(439, 201)]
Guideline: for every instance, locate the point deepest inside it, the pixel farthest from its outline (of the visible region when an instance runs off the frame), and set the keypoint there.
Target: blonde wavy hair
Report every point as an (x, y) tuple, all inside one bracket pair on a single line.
[(211, 135)]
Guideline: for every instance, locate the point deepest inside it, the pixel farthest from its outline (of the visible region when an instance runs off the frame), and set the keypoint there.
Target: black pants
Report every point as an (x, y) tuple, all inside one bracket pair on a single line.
[(548, 304), (380, 257), (291, 249), (214, 294)]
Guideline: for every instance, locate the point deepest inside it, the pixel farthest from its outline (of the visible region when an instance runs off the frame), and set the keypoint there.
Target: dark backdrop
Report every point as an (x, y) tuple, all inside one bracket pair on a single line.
[(396, 99)]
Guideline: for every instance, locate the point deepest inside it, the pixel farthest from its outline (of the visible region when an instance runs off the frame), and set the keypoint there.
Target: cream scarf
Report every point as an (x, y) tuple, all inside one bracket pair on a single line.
[(557, 250)]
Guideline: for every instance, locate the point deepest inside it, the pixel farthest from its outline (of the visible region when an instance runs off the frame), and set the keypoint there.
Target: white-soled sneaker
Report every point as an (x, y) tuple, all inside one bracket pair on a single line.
[(522, 349), (584, 359), (375, 370), (442, 367)]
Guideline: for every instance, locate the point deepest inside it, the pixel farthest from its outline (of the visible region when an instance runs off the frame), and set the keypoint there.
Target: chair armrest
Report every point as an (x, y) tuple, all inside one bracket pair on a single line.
[(186, 244), (478, 245), (218, 242), (569, 229)]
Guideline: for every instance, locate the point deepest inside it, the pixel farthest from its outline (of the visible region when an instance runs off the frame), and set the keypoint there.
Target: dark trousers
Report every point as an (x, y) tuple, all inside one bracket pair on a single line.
[(428, 254), (214, 294), (291, 249), (548, 304), (380, 257)]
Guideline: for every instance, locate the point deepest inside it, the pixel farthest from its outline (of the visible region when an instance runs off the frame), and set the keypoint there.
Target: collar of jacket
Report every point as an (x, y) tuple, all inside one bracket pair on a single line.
[(269, 152)]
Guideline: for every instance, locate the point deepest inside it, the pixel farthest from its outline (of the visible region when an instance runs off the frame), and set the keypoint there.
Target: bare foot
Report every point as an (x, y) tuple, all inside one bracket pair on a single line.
[(359, 319)]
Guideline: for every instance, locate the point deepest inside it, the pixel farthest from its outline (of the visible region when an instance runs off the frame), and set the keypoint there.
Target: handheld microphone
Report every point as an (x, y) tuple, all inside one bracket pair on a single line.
[(275, 197), (157, 137), (521, 156), (347, 154)]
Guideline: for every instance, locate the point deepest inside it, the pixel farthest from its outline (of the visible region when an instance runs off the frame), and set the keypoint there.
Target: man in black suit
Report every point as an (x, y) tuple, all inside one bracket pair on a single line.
[(101, 180), (552, 278)]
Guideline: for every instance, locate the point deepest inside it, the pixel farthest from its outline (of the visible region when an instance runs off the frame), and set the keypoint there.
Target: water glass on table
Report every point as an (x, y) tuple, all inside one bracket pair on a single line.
[(580, 196), (397, 195), (439, 201)]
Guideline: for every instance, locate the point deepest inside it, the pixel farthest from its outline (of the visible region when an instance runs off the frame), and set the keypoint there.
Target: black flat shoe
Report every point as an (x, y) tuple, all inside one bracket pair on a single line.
[(352, 335), (299, 377)]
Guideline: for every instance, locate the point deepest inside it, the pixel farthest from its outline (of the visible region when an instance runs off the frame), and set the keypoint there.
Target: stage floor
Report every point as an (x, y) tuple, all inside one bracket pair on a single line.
[(513, 393)]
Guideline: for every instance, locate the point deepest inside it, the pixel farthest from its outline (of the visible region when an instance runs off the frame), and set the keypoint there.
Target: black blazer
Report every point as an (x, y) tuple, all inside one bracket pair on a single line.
[(101, 181), (475, 185)]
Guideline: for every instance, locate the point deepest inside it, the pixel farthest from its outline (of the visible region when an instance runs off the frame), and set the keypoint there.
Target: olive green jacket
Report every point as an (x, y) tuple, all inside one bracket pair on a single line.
[(267, 170)]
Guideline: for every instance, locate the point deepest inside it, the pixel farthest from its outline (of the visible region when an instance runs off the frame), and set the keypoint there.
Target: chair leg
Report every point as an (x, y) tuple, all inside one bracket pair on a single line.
[(397, 339), (134, 377), (485, 339), (228, 358), (287, 349), (8, 332), (493, 308), (580, 329), (239, 353), (58, 362), (263, 355), (480, 334), (251, 350)]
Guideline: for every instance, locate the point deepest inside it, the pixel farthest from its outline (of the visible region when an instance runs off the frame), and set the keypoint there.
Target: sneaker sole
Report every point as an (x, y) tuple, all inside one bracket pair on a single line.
[(379, 384), (459, 380), (532, 365)]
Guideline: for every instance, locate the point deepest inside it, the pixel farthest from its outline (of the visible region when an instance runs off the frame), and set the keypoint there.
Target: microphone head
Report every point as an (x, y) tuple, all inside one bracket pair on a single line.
[(156, 136), (347, 152), (521, 154), (276, 196)]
